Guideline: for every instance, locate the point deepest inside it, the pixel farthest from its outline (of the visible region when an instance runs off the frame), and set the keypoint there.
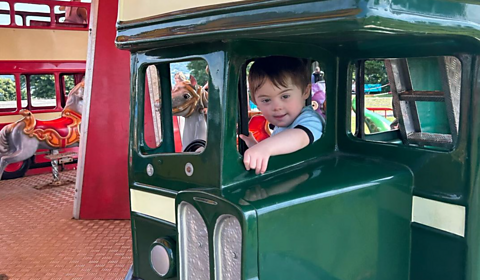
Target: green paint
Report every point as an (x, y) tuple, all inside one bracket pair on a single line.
[(340, 208)]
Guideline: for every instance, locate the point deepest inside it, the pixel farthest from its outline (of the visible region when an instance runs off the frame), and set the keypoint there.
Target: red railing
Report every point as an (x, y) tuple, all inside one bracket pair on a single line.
[(384, 109), (52, 18)]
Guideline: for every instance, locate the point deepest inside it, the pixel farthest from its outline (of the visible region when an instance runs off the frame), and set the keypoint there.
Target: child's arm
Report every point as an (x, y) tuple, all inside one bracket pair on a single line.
[(285, 142)]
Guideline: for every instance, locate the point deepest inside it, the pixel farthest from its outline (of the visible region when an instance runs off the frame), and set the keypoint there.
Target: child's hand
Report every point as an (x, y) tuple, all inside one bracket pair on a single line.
[(256, 158), (249, 140)]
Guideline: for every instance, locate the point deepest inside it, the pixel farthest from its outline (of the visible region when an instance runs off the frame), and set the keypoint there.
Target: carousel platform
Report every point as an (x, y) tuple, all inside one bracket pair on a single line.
[(40, 240)]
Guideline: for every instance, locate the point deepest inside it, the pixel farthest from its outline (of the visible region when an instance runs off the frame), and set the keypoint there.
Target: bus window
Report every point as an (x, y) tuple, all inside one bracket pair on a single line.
[(257, 124), (59, 14), (19, 20), (378, 113), (4, 13), (8, 93), (23, 89), (319, 89), (68, 82), (42, 90), (188, 82), (71, 15), (32, 14), (413, 101)]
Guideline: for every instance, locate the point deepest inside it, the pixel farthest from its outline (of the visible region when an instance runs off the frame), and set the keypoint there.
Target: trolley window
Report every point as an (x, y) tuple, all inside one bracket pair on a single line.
[(32, 14), (4, 13), (410, 101), (68, 83), (251, 119), (42, 90), (8, 93), (184, 127)]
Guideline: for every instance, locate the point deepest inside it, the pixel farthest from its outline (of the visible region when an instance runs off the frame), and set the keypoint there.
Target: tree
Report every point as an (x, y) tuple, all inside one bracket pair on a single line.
[(42, 86), (197, 69), (69, 83), (375, 73), (7, 90), (23, 87)]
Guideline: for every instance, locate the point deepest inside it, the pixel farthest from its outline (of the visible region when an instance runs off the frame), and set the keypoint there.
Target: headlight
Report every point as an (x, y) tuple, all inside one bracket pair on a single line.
[(162, 257), (193, 244), (228, 248)]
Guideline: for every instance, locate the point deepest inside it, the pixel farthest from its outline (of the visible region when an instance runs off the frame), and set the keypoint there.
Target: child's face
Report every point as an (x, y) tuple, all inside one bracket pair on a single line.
[(281, 105)]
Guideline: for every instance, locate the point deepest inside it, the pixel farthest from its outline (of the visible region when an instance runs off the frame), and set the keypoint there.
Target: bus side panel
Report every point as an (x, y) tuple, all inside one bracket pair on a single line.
[(432, 261), (146, 231), (351, 231)]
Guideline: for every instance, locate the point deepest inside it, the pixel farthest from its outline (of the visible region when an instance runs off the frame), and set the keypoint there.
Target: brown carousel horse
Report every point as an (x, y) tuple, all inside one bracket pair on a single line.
[(190, 101), (20, 140)]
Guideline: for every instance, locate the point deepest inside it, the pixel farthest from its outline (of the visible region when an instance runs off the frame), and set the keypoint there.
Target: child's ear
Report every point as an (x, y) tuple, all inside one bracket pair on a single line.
[(307, 92)]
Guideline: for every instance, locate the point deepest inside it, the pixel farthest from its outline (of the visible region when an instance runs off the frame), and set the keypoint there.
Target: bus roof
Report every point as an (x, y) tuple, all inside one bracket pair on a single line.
[(209, 20)]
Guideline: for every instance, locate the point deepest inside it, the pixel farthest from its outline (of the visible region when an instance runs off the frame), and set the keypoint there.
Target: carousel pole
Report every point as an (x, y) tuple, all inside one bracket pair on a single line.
[(54, 161)]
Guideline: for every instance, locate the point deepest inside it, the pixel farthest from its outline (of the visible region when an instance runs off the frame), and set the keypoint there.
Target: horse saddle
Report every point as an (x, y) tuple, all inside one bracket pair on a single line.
[(57, 133), (259, 127)]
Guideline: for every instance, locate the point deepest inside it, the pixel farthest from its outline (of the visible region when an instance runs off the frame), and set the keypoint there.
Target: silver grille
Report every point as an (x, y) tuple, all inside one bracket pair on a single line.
[(193, 244), (228, 248)]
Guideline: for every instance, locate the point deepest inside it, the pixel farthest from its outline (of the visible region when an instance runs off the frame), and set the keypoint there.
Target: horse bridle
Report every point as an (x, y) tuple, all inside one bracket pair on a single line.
[(199, 99)]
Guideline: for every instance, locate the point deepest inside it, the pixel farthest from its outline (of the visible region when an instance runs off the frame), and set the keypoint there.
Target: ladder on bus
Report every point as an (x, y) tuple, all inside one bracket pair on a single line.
[(405, 99)]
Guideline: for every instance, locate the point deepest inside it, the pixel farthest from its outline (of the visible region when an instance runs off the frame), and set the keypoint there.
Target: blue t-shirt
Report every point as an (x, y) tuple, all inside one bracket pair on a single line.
[(309, 121)]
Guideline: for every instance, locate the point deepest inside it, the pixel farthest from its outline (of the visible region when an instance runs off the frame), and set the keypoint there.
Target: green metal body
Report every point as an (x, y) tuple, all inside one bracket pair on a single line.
[(340, 208)]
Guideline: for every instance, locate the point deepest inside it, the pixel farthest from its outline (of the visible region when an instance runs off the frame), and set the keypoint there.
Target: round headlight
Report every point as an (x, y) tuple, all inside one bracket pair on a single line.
[(162, 258)]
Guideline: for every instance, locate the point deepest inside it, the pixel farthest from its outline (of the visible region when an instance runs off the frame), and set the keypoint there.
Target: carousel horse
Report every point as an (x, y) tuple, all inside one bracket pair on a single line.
[(21, 139), (191, 102)]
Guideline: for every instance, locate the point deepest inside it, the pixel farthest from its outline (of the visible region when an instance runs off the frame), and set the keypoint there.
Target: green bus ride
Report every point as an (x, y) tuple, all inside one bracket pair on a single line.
[(387, 195)]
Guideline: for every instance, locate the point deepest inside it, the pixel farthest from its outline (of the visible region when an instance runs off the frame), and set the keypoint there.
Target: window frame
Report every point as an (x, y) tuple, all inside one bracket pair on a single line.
[(17, 94), (243, 99), (393, 137), (56, 86), (167, 144)]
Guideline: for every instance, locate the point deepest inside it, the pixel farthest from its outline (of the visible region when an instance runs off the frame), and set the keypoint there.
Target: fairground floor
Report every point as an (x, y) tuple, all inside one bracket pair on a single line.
[(40, 240)]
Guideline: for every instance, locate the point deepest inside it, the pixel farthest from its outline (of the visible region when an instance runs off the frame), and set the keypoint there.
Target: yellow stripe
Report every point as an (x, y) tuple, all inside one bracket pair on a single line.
[(439, 215), (158, 206), (43, 44), (40, 116), (133, 9)]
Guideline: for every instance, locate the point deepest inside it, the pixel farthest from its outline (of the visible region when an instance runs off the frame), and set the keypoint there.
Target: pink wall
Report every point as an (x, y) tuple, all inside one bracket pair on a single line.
[(105, 192)]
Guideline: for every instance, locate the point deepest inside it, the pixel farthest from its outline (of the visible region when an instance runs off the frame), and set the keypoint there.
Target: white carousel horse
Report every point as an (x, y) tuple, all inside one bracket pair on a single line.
[(191, 101), (21, 139)]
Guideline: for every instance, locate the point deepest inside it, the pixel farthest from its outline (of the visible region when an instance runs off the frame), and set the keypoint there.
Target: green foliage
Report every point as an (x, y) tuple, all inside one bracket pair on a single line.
[(23, 87), (42, 86), (7, 90), (375, 73), (69, 83), (197, 69)]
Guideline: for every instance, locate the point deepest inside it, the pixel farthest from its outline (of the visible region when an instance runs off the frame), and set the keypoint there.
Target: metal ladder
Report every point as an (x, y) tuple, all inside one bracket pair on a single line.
[(405, 98)]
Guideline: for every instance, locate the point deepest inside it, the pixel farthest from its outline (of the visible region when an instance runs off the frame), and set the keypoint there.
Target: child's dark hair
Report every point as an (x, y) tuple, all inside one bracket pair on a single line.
[(279, 70)]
